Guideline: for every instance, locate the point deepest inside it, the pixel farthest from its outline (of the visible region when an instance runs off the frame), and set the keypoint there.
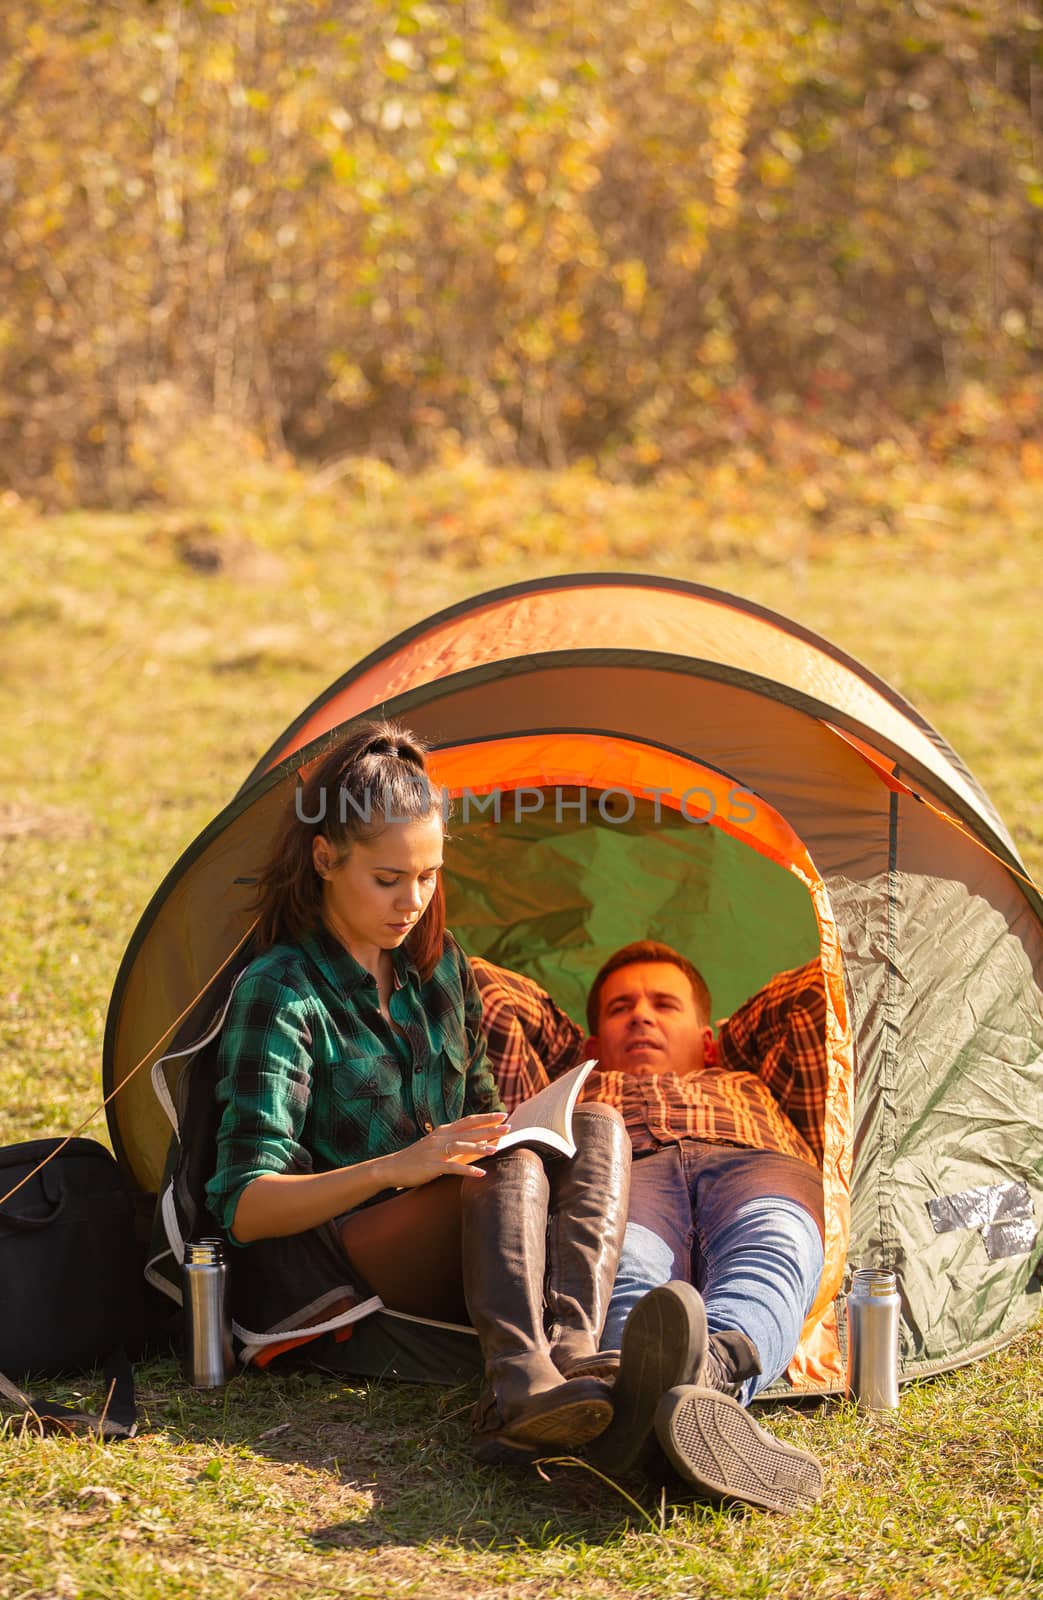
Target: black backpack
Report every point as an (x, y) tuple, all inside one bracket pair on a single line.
[(70, 1267), (71, 1279)]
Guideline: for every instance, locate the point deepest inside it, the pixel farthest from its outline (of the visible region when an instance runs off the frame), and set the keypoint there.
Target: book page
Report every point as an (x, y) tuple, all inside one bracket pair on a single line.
[(546, 1118)]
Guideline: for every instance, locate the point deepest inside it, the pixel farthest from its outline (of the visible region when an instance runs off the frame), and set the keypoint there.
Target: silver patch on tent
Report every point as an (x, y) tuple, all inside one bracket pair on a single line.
[(1000, 1212)]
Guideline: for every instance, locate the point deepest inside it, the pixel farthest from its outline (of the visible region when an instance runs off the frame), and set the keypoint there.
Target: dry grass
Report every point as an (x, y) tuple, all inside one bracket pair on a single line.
[(147, 660)]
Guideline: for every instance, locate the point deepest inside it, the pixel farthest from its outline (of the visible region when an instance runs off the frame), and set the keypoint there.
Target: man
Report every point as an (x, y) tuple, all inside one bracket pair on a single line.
[(726, 1198)]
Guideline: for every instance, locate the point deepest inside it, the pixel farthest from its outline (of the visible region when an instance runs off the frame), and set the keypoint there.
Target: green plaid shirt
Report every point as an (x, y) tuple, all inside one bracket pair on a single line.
[(313, 1077)]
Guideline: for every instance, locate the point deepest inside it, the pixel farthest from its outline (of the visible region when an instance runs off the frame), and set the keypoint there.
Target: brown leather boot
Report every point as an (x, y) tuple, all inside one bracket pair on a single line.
[(588, 1216), (526, 1407)]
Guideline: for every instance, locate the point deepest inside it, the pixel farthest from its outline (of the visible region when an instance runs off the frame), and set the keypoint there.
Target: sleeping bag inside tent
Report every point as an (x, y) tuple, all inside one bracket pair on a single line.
[(634, 757)]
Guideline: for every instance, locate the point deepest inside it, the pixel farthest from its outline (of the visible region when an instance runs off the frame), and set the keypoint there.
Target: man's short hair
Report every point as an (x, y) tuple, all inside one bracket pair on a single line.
[(647, 950)]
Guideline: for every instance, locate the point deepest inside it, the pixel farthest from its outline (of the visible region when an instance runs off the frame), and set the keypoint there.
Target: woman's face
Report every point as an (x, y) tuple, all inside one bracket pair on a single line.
[(375, 895)]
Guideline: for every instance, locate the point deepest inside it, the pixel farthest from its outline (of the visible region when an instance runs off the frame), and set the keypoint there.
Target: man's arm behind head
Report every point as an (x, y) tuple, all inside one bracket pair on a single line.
[(531, 1040), (779, 1033)]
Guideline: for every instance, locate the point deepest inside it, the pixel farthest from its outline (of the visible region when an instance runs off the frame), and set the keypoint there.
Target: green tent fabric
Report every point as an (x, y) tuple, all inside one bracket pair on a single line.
[(552, 899)]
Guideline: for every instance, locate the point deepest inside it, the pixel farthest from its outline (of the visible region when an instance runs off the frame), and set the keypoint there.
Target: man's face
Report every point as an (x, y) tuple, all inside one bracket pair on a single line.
[(649, 1022)]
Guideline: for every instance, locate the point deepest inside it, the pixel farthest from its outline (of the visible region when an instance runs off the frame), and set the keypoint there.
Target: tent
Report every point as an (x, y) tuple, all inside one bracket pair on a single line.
[(634, 756)]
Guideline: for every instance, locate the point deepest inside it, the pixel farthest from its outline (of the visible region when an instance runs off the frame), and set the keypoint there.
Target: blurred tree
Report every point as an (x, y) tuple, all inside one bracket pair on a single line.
[(627, 233)]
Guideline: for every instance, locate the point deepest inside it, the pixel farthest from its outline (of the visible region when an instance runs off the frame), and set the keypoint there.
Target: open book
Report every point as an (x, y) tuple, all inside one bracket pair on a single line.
[(546, 1118)]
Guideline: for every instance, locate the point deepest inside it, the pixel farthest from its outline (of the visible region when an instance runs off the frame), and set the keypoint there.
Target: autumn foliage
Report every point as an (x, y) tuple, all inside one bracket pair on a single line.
[(629, 232)]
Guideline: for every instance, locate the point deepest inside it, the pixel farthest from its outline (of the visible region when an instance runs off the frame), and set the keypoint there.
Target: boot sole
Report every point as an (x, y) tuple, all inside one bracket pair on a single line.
[(575, 1422), (603, 1365), (565, 1427), (664, 1343), (716, 1446)]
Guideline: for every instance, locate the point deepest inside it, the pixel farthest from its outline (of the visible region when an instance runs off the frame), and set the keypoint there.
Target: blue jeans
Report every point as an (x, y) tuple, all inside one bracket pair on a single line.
[(745, 1226)]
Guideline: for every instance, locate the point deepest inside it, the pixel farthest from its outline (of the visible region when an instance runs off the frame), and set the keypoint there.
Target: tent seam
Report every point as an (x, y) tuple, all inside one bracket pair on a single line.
[(889, 1239)]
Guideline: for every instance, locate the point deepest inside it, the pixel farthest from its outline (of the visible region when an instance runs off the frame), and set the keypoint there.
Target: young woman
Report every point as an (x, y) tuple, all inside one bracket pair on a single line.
[(360, 1116)]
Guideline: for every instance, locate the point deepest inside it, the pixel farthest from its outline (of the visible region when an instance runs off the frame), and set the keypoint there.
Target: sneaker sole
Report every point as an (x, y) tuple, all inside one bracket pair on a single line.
[(715, 1445), (664, 1342)]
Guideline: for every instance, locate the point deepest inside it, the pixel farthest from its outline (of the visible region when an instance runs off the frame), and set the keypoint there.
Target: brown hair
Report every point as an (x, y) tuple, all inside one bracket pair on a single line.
[(377, 775), (646, 950)]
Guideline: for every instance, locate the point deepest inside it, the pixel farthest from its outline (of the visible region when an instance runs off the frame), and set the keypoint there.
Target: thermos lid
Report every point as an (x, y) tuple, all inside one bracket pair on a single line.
[(204, 1252), (873, 1281)]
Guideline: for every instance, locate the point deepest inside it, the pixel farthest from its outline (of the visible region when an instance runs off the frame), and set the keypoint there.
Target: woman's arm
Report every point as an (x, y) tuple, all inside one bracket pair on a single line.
[(277, 1203), (263, 1186)]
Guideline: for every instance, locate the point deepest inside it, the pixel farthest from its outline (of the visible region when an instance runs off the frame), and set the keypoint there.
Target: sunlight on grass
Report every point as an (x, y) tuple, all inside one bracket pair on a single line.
[(147, 660)]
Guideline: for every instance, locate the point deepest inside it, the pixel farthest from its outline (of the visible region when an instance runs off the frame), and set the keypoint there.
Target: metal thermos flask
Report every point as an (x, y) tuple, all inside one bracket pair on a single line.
[(873, 1308), (209, 1360)]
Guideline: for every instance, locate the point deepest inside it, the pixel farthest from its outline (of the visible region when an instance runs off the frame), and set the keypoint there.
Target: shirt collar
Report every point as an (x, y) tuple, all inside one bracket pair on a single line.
[(343, 971)]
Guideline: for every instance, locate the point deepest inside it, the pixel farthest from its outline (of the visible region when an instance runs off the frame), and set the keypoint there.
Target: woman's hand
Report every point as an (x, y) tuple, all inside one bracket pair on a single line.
[(448, 1150), (280, 1203)]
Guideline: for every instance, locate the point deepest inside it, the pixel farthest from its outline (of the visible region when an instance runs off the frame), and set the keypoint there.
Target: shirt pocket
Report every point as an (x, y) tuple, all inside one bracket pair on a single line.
[(445, 1018), (450, 1071), (368, 1105)]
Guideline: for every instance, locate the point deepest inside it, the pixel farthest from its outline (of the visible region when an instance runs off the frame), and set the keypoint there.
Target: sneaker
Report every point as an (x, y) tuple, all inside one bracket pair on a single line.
[(715, 1445), (731, 1358), (664, 1343)]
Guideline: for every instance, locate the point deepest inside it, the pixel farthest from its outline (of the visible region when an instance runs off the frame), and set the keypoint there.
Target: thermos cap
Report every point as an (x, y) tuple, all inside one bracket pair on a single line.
[(204, 1252), (874, 1281)]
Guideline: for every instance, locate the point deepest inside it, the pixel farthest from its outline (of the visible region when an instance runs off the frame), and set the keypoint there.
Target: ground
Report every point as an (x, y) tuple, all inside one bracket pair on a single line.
[(148, 659)]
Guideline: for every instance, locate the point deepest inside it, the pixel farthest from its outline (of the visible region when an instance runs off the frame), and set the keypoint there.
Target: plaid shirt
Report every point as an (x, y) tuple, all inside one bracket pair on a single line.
[(314, 1077), (780, 1034), (767, 1090), (530, 1039)]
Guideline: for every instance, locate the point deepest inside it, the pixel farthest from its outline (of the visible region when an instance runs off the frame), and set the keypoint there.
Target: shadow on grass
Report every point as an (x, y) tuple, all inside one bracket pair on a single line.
[(396, 1460), (388, 1464), (399, 1456)]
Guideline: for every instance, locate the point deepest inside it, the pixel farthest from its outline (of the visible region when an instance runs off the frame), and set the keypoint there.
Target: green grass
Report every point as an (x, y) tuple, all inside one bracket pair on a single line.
[(304, 1484), (146, 660)]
